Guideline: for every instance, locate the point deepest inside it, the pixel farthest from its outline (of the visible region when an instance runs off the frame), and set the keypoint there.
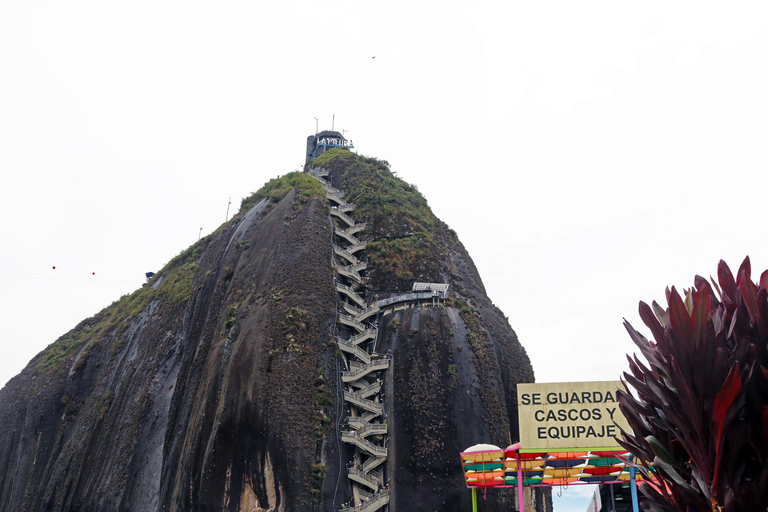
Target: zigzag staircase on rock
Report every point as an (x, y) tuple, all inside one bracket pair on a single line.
[(362, 380), (365, 369)]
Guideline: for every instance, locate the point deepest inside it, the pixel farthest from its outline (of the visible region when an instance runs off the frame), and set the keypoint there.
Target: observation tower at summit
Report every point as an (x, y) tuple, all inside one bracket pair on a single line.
[(320, 142)]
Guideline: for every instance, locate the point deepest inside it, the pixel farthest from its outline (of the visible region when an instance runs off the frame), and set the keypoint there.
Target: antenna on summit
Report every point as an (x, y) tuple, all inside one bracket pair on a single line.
[(333, 123), (316, 121)]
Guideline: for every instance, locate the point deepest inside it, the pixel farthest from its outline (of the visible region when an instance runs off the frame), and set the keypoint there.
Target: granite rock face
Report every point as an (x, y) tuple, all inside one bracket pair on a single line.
[(216, 386)]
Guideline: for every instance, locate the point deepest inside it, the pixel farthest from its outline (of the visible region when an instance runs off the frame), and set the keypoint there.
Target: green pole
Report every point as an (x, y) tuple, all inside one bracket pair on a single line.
[(474, 499)]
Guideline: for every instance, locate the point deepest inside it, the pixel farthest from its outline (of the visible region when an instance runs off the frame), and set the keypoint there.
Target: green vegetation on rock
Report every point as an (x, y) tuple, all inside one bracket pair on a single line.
[(277, 188), (406, 240), (478, 338), (110, 322), (331, 154)]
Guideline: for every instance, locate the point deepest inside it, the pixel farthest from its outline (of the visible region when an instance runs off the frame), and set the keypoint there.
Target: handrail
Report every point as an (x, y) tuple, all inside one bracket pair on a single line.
[(363, 392), (354, 349), (371, 481), (352, 239), (375, 503), (346, 254), (335, 196), (359, 246), (372, 429), (356, 420), (352, 294), (360, 371), (357, 267), (373, 462), (330, 188), (357, 227), (364, 494), (370, 310), (351, 321), (351, 437), (352, 309), (364, 427), (368, 333), (343, 216), (345, 271), (368, 405), (406, 297)]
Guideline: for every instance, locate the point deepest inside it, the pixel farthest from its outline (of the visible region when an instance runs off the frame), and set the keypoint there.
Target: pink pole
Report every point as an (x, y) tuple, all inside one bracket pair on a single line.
[(520, 501)]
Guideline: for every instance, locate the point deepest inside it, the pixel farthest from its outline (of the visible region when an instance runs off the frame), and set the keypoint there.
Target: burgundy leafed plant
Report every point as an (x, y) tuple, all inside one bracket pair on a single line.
[(700, 411)]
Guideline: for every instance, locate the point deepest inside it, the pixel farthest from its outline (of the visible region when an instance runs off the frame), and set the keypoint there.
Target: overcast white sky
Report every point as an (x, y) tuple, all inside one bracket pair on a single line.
[(587, 153)]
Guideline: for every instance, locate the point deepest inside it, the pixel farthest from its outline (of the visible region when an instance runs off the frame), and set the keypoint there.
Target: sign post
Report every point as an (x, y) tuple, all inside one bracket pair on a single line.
[(520, 478)]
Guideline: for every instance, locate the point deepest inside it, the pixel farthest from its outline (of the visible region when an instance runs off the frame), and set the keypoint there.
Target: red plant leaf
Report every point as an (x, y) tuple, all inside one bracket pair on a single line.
[(765, 425), (650, 320), (660, 313), (716, 287), (702, 307), (678, 315), (723, 400), (745, 268), (764, 279), (748, 293), (635, 369), (762, 311), (727, 283)]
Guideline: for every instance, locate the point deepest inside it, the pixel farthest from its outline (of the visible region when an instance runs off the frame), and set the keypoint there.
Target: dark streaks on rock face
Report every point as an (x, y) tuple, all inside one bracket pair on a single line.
[(215, 386), (186, 395)]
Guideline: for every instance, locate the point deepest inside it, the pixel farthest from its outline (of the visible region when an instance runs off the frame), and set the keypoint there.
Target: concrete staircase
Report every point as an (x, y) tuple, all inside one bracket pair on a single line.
[(362, 380)]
